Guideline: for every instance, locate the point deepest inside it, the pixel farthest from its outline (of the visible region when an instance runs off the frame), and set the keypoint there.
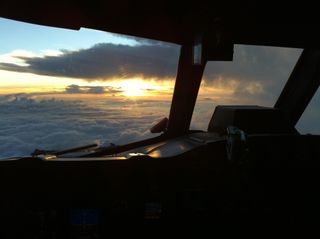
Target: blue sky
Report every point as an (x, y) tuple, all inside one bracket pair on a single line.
[(36, 37)]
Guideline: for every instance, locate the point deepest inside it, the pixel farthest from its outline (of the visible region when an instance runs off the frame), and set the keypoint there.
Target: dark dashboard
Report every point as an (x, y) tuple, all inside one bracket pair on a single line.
[(190, 181)]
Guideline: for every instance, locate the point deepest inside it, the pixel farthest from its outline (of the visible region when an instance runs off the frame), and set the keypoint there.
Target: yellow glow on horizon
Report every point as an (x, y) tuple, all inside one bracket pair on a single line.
[(138, 87), (18, 82)]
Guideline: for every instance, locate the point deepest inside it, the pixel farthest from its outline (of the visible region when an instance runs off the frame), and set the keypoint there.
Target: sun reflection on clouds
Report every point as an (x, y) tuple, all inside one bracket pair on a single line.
[(49, 52), (15, 56), (18, 56), (15, 82), (139, 87)]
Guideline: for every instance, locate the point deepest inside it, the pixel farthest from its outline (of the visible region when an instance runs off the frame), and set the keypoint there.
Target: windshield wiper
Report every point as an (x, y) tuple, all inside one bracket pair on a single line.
[(38, 152)]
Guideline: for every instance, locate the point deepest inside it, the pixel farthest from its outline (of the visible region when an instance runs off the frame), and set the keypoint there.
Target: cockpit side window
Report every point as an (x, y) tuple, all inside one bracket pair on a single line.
[(309, 121), (256, 76)]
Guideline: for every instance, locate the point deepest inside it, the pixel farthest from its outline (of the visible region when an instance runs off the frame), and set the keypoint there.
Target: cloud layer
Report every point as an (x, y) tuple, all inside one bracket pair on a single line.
[(28, 123), (76, 89)]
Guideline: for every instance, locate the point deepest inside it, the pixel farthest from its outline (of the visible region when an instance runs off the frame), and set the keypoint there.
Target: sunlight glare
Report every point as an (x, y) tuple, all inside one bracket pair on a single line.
[(133, 88)]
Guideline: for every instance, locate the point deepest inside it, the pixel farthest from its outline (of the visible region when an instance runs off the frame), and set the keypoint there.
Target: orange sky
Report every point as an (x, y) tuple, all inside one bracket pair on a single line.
[(15, 82)]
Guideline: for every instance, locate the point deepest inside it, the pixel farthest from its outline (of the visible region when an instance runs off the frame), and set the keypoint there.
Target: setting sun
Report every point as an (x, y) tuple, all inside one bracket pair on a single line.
[(133, 88), (139, 87)]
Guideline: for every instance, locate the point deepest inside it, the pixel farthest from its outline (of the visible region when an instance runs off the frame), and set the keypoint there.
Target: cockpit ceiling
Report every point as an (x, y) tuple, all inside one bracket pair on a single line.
[(238, 22)]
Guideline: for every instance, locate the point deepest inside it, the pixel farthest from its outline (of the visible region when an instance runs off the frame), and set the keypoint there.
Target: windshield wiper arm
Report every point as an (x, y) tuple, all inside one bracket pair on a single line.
[(38, 152)]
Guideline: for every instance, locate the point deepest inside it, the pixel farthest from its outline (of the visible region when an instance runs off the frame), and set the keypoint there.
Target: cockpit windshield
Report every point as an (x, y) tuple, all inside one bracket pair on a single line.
[(63, 88)]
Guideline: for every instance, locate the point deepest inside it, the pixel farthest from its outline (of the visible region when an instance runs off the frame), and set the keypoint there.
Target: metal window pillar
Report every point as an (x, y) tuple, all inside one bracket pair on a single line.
[(300, 87), (185, 91)]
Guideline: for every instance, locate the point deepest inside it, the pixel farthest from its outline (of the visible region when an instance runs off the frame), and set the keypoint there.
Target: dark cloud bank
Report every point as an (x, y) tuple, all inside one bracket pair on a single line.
[(107, 61), (76, 89)]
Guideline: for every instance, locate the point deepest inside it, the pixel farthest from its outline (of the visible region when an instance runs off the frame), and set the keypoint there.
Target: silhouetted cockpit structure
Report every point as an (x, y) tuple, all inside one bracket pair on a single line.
[(251, 167)]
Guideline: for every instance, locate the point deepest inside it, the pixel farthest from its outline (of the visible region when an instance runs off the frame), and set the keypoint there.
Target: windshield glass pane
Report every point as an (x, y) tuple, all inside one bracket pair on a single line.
[(256, 76), (309, 121), (63, 88)]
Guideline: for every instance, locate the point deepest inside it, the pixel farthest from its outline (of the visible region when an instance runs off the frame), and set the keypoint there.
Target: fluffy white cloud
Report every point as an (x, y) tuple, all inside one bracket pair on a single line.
[(28, 123)]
